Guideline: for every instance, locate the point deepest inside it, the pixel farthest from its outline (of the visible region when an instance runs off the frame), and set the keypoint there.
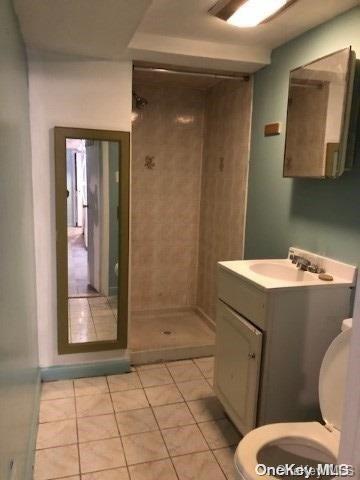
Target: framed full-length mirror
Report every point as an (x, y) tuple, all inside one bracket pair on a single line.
[(92, 238), (318, 116)]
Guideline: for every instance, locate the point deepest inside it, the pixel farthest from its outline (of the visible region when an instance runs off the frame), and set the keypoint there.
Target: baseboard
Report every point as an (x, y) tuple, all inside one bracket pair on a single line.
[(34, 429), (63, 372), (141, 357)]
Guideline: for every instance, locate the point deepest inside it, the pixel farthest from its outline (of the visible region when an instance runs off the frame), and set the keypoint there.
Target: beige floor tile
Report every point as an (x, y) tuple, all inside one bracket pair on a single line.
[(91, 405), (160, 470), (144, 447), (105, 313), (114, 474), (220, 433), (136, 421), (79, 310), (125, 381), (155, 377), (206, 409), (195, 389), (60, 409), (75, 477), (78, 301), (78, 322), (106, 334), (175, 415), (55, 390), (163, 395), (56, 434), (56, 462), (183, 440), (81, 331), (198, 466), (101, 455), (90, 386), (176, 363), (183, 373), (98, 301), (225, 457), (206, 366), (97, 428), (104, 320), (148, 366), (83, 337), (129, 400)]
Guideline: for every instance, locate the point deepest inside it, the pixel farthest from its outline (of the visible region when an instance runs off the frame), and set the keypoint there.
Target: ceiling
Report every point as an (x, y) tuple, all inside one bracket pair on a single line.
[(89, 28), (189, 19), (179, 32)]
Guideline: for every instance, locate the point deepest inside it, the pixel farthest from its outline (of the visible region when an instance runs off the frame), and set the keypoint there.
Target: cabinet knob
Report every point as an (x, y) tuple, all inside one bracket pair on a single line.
[(251, 356)]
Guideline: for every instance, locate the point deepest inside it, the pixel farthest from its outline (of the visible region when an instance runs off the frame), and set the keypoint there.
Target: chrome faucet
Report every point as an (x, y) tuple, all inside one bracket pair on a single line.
[(302, 263)]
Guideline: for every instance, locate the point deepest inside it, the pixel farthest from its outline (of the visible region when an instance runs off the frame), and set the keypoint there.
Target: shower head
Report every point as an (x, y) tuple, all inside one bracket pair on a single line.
[(138, 101)]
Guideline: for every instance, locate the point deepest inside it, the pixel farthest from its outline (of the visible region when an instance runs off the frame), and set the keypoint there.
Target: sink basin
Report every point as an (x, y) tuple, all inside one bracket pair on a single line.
[(282, 272)]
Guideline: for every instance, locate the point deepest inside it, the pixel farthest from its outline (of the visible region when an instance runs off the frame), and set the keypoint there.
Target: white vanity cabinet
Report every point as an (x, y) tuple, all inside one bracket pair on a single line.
[(270, 342)]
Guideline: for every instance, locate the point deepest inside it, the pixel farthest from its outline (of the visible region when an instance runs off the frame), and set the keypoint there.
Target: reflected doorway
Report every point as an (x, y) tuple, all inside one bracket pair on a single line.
[(81, 161)]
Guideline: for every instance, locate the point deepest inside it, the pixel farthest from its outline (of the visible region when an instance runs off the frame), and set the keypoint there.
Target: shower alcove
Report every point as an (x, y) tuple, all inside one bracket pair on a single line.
[(190, 148)]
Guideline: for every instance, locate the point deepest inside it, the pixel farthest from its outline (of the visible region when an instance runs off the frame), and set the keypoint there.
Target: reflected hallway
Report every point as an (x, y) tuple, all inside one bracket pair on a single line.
[(78, 269)]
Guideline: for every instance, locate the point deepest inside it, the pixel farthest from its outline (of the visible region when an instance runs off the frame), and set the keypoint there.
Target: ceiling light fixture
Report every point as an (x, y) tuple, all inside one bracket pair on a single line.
[(249, 13)]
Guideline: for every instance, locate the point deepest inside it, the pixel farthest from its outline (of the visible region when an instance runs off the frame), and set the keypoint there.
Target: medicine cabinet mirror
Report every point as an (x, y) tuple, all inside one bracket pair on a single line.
[(92, 238), (318, 116)]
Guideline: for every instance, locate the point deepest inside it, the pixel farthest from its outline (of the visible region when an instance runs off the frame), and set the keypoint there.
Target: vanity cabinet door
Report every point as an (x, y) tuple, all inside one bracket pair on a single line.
[(237, 366)]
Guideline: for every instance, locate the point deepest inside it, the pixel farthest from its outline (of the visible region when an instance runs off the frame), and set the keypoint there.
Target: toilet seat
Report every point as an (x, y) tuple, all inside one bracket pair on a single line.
[(308, 434)]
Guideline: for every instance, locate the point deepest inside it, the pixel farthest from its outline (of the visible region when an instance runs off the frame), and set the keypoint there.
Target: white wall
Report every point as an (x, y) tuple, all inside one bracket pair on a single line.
[(71, 93)]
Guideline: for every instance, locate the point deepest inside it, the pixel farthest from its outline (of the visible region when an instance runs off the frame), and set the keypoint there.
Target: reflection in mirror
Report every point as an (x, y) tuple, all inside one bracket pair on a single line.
[(316, 130), (92, 182)]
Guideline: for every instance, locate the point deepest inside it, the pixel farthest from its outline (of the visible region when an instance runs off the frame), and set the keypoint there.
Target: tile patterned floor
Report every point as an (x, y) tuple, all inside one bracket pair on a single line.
[(92, 319), (159, 422)]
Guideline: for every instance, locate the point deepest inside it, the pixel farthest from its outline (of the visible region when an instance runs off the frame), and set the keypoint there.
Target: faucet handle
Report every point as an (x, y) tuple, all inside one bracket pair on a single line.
[(313, 268), (294, 258), (302, 263)]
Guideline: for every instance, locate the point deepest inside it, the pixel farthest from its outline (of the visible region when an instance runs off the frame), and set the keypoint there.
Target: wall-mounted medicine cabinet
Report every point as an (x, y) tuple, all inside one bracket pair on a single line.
[(320, 114)]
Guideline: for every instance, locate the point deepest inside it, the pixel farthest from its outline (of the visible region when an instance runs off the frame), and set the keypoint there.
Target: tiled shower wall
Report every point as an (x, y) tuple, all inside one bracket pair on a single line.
[(224, 183), (166, 198), (196, 142)]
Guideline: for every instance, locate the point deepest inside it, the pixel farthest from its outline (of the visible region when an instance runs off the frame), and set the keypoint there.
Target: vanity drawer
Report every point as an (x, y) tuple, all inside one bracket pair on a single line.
[(244, 298)]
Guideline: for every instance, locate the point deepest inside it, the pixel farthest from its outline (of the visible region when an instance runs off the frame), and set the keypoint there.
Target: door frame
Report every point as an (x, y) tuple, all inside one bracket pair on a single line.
[(123, 138)]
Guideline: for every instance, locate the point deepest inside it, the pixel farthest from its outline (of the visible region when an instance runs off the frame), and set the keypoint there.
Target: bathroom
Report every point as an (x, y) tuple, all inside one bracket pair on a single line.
[(201, 183)]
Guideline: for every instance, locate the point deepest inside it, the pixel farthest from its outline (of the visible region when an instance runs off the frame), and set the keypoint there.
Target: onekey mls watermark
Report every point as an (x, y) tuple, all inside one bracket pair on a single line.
[(306, 471)]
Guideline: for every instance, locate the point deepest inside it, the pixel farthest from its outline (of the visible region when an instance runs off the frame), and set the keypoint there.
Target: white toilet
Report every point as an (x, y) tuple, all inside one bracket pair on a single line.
[(302, 443)]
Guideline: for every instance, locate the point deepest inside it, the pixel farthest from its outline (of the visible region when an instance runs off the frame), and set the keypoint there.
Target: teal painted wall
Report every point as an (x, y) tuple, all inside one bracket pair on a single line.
[(18, 337), (319, 215)]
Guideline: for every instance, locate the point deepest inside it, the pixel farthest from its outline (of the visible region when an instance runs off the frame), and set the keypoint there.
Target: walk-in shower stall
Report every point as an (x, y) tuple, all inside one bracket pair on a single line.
[(190, 149)]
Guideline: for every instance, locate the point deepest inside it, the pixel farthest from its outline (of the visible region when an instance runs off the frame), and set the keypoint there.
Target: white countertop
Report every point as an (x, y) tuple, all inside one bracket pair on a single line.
[(343, 274)]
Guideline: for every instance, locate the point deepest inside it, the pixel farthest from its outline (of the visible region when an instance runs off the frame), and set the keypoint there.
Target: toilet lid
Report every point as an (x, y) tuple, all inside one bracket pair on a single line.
[(333, 379)]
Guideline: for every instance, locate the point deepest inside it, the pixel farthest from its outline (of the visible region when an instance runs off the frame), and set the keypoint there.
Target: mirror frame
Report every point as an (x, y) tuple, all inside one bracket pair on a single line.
[(345, 120), (123, 138)]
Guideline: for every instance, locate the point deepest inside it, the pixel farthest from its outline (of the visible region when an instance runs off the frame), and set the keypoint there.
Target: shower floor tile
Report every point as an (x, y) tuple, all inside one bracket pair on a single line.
[(150, 331)]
